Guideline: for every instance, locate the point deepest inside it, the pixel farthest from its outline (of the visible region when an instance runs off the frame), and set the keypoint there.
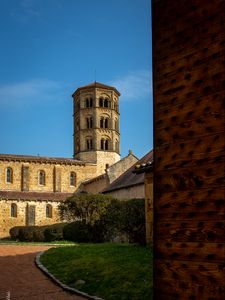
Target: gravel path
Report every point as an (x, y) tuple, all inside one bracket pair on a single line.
[(20, 279)]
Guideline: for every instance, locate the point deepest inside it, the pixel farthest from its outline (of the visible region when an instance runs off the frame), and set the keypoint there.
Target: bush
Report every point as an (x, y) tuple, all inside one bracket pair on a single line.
[(26, 234), (14, 232), (125, 220), (54, 232), (38, 234), (78, 231), (87, 207), (46, 233), (120, 221)]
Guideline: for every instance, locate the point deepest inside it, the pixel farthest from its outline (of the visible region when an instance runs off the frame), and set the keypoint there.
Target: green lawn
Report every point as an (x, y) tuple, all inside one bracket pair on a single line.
[(110, 271)]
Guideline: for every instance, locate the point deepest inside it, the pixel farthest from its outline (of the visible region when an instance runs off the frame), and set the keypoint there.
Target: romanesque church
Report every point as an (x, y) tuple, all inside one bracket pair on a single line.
[(31, 187)]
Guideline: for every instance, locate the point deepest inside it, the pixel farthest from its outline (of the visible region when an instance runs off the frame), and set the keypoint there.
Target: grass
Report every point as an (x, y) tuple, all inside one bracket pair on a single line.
[(109, 271)]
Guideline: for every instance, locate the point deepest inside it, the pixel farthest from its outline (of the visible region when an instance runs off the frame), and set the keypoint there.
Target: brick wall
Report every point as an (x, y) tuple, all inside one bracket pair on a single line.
[(189, 88)]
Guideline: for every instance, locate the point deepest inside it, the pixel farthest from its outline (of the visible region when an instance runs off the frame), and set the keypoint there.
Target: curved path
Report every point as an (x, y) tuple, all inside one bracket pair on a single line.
[(20, 279)]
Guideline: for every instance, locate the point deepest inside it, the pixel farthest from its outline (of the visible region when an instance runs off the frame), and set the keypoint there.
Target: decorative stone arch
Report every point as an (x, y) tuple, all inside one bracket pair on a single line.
[(89, 142), (89, 121), (105, 143), (104, 100), (88, 101), (104, 121)]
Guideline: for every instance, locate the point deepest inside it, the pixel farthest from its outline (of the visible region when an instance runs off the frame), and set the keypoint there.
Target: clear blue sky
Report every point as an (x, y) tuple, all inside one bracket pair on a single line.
[(48, 48)]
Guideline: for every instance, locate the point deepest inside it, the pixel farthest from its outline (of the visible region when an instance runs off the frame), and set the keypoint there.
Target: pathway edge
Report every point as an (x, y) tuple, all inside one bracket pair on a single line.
[(62, 285)]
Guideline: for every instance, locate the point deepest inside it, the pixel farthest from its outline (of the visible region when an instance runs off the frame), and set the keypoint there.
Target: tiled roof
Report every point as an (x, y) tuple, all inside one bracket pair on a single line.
[(130, 178), (35, 196), (96, 85), (97, 178), (144, 167), (41, 159)]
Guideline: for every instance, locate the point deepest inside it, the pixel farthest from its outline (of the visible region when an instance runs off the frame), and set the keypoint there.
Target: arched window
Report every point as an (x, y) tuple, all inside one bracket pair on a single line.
[(89, 143), (48, 211), (13, 210), (89, 102), (106, 102), (73, 178), (104, 144), (101, 102), (101, 122), (9, 175), (42, 177), (104, 122), (89, 121)]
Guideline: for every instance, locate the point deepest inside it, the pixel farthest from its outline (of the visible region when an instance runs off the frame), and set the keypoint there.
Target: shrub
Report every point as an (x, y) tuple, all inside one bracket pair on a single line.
[(115, 220), (46, 233), (26, 234), (54, 232), (87, 207), (38, 234), (14, 232), (125, 219), (78, 231)]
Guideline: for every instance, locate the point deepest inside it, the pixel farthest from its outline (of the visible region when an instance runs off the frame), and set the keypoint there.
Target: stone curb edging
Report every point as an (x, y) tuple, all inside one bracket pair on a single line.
[(62, 285)]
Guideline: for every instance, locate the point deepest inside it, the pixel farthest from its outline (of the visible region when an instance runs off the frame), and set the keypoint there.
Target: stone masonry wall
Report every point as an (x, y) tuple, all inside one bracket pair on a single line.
[(7, 222), (121, 166), (137, 191), (96, 185), (83, 172)]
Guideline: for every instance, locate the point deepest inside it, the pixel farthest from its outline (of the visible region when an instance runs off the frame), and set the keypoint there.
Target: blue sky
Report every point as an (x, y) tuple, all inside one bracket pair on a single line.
[(48, 48)]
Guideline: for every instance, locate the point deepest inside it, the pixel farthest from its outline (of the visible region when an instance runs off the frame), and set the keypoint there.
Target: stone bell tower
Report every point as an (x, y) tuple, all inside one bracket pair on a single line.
[(96, 125)]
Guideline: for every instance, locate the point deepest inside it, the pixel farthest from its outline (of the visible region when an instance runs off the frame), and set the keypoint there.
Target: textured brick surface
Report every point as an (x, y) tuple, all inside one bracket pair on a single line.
[(23, 279)]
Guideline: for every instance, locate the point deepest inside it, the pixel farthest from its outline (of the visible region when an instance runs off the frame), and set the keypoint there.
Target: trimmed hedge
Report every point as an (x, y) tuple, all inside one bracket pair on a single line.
[(54, 232), (46, 233), (114, 220), (14, 232), (82, 232)]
